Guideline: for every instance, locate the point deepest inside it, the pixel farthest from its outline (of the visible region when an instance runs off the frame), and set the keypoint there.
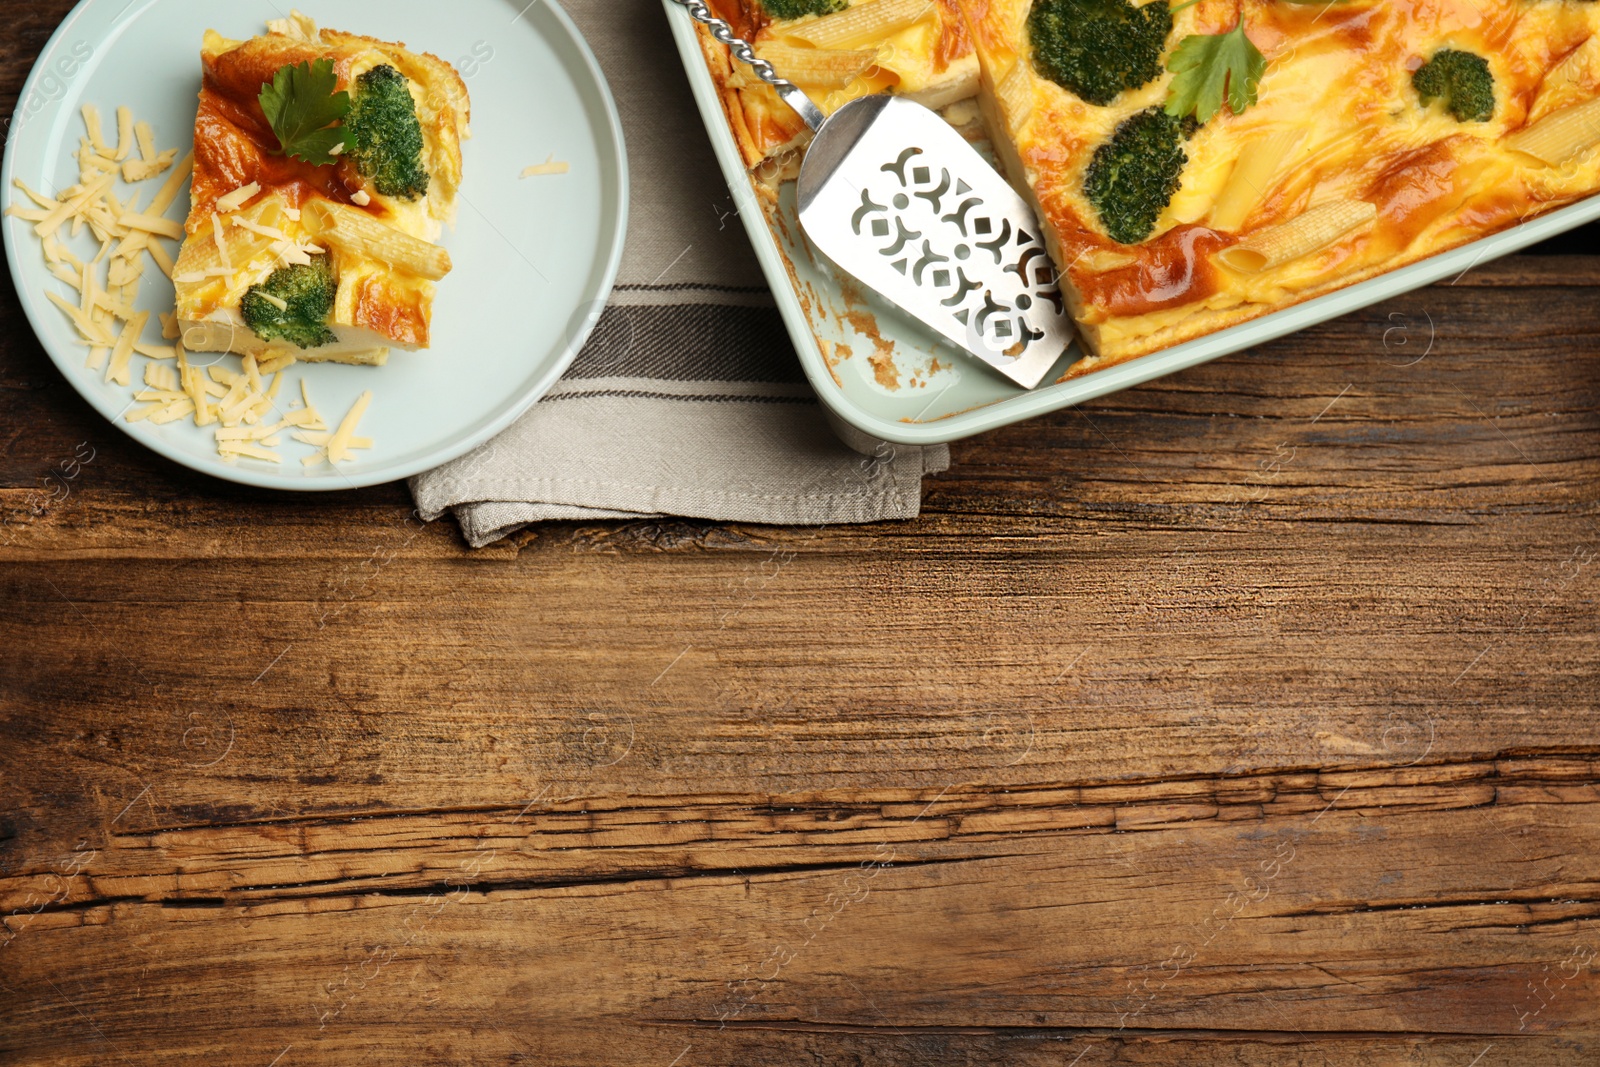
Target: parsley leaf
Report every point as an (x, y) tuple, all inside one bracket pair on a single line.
[(301, 106), (1209, 67)]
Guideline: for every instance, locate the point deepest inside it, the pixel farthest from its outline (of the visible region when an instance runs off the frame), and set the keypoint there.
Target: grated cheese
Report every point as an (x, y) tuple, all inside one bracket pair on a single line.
[(115, 308), (73, 209), (153, 224), (549, 166), (118, 370), (48, 203), (162, 257), (147, 141), (238, 198), (221, 240), (178, 409), (339, 444), (161, 376), (234, 396), (123, 271), (313, 437), (91, 123), (124, 134), (281, 361), (138, 170), (240, 448), (92, 331), (255, 433), (106, 288)]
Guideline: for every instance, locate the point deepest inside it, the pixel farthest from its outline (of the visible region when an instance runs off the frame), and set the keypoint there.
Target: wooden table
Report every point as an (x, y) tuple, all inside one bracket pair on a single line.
[(1246, 718)]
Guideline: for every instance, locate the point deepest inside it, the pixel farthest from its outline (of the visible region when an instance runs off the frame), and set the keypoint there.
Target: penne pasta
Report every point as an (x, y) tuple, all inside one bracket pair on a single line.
[(818, 68), (863, 23), (1015, 95), (1317, 228), (356, 231), (1560, 135), (1258, 165)]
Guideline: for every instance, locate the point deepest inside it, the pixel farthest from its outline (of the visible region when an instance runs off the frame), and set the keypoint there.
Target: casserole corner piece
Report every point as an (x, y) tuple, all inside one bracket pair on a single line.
[(836, 52), (332, 258), (1352, 160)]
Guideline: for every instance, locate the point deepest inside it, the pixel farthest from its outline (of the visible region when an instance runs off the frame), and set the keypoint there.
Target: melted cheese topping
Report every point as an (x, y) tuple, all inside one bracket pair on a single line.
[(930, 61), (1339, 80)]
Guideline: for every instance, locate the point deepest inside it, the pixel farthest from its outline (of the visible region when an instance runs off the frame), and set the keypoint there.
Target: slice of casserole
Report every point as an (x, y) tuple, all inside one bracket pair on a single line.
[(836, 51), (1381, 133), (330, 260)]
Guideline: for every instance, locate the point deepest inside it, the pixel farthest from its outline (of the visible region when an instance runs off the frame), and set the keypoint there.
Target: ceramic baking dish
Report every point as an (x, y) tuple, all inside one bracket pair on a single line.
[(884, 377)]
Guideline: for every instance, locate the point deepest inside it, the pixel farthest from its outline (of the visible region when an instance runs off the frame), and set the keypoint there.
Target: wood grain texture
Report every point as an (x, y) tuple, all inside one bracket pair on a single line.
[(1246, 718)]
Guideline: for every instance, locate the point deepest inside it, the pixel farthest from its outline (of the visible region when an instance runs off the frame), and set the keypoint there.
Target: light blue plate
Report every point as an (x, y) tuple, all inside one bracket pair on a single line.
[(943, 394), (534, 258)]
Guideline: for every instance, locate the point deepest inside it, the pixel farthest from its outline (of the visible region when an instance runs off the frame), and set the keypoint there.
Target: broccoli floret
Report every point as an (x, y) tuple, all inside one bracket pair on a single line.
[(1133, 176), (308, 291), (1462, 79), (1098, 48), (793, 9), (388, 138)]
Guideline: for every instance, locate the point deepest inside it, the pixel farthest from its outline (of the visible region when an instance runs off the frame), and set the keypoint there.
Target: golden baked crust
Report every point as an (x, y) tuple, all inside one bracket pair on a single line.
[(380, 303), (1338, 87)]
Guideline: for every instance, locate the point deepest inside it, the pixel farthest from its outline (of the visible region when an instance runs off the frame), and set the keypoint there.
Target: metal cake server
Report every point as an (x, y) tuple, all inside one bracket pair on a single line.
[(897, 198)]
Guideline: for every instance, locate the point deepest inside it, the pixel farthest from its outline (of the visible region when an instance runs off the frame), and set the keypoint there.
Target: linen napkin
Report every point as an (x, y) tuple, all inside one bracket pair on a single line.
[(688, 399)]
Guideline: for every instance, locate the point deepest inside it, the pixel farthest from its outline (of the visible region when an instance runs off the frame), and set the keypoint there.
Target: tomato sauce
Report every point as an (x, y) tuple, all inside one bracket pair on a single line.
[(234, 144)]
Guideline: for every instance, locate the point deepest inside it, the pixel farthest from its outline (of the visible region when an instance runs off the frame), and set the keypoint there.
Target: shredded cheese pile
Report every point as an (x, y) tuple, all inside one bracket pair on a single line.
[(242, 404)]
